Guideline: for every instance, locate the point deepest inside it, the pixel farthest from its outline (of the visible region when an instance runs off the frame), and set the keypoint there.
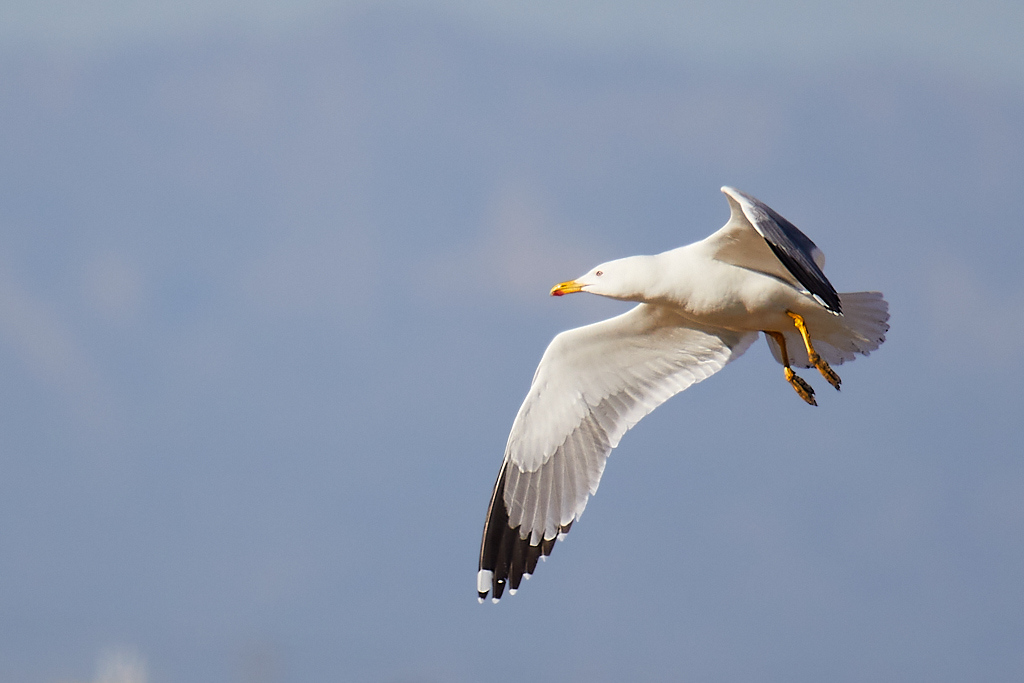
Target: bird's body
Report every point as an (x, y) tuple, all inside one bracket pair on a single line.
[(701, 306), (714, 293), (711, 292)]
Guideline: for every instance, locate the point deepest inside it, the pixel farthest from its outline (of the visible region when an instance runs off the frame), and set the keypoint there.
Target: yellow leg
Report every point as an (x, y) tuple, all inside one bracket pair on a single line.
[(802, 388), (816, 360)]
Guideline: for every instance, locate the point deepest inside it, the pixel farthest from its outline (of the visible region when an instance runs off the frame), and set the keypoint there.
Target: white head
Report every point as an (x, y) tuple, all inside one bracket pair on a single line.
[(628, 279)]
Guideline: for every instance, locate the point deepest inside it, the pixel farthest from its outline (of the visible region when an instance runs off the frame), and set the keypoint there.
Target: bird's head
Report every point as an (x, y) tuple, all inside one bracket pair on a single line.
[(625, 279)]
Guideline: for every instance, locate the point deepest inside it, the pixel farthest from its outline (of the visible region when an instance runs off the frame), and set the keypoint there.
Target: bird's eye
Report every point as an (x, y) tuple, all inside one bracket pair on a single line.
[(599, 273)]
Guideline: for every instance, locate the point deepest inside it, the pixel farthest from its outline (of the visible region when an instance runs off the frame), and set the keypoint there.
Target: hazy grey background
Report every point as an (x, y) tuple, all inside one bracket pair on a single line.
[(273, 282)]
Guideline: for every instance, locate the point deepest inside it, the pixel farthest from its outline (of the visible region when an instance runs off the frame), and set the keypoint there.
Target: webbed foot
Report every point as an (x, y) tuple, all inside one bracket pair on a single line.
[(802, 388)]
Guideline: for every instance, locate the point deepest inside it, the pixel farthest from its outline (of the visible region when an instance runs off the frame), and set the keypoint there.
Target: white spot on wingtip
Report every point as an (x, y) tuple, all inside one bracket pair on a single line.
[(494, 600), (512, 591), (480, 600), (527, 576), (483, 580)]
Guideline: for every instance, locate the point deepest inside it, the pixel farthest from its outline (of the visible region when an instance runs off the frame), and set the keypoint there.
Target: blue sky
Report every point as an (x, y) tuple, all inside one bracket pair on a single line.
[(273, 283)]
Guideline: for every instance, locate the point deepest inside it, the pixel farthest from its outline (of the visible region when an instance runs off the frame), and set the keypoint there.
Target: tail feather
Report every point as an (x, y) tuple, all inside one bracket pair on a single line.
[(866, 316)]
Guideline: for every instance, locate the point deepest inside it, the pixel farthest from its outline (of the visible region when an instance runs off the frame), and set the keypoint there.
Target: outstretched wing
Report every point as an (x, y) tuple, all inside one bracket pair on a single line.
[(593, 383), (782, 251)]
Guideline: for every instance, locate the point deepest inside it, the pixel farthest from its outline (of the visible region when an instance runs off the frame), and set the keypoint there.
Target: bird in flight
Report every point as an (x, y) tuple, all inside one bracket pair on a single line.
[(699, 308)]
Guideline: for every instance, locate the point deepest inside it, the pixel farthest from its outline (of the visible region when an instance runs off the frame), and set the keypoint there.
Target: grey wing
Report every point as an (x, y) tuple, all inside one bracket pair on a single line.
[(591, 386), (801, 258)]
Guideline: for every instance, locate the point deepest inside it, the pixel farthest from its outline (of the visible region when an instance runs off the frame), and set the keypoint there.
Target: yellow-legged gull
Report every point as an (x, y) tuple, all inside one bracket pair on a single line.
[(700, 307)]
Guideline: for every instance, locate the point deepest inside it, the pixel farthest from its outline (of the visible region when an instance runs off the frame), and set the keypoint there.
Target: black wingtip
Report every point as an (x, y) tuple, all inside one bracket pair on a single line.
[(505, 556), (807, 273)]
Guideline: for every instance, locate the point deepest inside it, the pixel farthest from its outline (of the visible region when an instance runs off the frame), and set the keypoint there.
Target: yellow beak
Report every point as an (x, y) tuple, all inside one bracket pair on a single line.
[(566, 288)]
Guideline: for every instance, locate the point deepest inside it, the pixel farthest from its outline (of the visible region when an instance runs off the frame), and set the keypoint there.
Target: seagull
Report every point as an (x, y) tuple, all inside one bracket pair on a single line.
[(699, 308)]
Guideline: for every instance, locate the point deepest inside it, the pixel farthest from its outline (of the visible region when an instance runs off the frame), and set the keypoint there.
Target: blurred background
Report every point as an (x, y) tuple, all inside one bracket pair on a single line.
[(273, 283)]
